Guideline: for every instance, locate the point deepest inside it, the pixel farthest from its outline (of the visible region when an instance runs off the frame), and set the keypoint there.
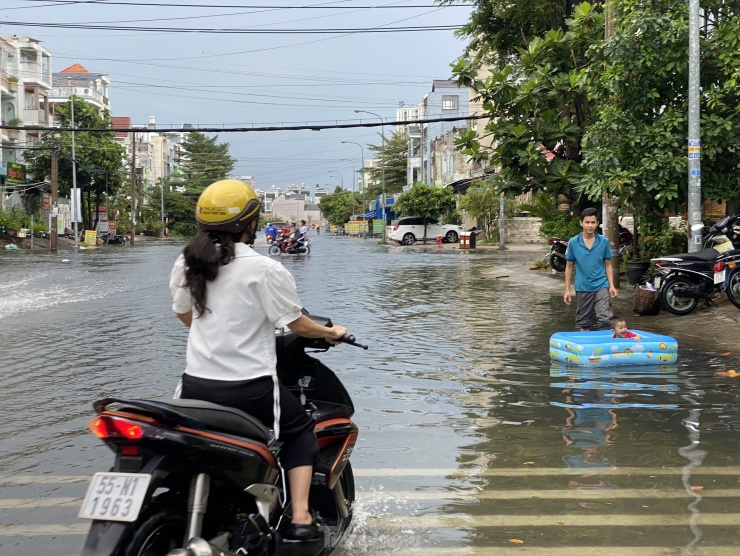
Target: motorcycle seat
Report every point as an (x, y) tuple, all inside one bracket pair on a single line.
[(325, 411), (702, 255), (210, 416)]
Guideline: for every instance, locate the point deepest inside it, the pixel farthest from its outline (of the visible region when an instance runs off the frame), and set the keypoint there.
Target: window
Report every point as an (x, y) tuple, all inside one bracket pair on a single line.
[(29, 100), (450, 102)]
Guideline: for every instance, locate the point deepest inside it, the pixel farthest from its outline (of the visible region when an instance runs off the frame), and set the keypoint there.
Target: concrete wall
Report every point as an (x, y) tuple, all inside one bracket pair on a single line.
[(523, 229)]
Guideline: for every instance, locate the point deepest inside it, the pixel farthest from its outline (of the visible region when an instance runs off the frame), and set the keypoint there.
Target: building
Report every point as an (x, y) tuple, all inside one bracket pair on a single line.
[(431, 158), (76, 80), (25, 85)]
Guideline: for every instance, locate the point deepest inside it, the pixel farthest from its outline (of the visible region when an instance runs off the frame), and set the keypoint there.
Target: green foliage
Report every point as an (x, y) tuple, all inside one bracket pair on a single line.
[(425, 201), (99, 159), (538, 105), (560, 225), (394, 157), (14, 219), (657, 238), (611, 112), (204, 162), (483, 201), (337, 207)]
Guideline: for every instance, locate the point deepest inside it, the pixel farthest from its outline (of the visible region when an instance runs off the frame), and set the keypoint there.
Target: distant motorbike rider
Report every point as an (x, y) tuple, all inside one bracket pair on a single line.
[(271, 231), (232, 299)]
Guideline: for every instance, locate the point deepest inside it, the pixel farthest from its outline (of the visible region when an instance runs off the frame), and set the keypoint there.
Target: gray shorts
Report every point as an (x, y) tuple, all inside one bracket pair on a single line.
[(596, 304)]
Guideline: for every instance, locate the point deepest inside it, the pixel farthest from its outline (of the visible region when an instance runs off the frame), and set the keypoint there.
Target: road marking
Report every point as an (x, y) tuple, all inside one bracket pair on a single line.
[(21, 503), (438, 472), (556, 520), (550, 494), (541, 472), (570, 550)]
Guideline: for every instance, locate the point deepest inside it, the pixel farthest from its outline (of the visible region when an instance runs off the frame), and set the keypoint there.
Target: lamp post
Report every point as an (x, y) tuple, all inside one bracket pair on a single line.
[(382, 167), (362, 169)]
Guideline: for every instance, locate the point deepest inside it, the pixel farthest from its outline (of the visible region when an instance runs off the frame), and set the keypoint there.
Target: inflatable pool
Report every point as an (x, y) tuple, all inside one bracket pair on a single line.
[(599, 349)]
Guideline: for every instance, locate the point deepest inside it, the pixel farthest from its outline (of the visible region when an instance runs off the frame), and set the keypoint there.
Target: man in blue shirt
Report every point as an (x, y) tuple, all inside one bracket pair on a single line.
[(594, 278)]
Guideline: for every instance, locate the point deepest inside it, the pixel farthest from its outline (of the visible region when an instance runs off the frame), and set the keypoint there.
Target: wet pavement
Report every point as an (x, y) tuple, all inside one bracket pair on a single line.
[(471, 441)]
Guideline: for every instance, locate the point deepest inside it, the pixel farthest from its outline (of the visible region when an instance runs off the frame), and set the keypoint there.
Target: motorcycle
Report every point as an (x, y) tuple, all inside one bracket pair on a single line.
[(558, 246), (686, 278), (193, 478), (269, 239), (284, 247)]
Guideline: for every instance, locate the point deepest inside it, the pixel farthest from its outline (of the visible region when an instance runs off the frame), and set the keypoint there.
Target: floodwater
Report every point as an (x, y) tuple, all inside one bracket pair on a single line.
[(471, 441)]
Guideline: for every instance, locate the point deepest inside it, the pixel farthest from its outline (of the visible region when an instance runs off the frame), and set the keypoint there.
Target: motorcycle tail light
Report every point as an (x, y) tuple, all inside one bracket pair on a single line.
[(719, 267), (105, 426), (551, 241)]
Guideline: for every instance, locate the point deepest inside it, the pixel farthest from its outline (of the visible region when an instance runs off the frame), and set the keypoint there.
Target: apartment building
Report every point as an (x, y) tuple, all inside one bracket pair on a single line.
[(25, 85)]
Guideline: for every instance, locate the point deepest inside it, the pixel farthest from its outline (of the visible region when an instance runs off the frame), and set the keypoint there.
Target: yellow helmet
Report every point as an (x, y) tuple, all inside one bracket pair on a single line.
[(227, 206)]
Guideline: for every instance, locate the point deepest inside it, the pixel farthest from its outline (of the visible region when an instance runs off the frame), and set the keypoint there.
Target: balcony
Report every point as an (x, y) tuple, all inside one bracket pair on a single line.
[(89, 94), (35, 116), (34, 74)]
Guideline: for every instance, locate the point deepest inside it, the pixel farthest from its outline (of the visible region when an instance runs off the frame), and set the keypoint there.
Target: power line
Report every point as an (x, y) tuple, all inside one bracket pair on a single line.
[(237, 31), (312, 127), (328, 6)]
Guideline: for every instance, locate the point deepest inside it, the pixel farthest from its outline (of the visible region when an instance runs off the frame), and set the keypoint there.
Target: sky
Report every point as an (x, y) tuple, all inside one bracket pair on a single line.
[(238, 79)]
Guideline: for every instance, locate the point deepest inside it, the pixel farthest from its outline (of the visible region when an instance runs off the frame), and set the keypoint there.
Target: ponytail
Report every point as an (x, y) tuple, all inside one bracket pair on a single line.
[(204, 255)]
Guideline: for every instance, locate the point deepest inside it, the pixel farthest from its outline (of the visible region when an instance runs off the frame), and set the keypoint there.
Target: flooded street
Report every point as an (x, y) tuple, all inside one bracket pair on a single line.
[(471, 441)]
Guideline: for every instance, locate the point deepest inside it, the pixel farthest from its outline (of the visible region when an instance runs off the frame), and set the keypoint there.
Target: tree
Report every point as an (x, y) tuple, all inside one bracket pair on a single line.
[(425, 201), (635, 146), (481, 200), (538, 108), (204, 162), (497, 29), (394, 157), (337, 207), (99, 159)]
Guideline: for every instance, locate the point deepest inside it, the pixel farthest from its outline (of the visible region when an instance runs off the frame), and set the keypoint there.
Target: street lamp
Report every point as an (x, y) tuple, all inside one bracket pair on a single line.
[(362, 168), (341, 178), (382, 168)]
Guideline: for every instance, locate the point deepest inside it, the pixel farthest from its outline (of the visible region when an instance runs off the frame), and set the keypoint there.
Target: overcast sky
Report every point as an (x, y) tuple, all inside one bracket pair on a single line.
[(240, 79)]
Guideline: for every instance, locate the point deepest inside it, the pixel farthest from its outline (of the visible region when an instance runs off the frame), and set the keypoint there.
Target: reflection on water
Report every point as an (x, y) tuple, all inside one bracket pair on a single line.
[(469, 436)]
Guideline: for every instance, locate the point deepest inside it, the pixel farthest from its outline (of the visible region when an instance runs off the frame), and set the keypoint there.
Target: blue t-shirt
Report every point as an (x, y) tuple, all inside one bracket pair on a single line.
[(590, 273)]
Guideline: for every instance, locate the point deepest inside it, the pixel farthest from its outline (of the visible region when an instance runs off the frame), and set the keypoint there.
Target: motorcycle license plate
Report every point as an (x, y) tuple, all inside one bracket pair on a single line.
[(719, 277), (656, 282), (115, 496)]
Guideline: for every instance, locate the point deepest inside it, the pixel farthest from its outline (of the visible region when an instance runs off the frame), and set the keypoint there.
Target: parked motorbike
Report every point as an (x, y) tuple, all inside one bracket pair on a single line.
[(685, 279), (558, 246), (732, 283), (112, 239), (284, 247), (193, 478)]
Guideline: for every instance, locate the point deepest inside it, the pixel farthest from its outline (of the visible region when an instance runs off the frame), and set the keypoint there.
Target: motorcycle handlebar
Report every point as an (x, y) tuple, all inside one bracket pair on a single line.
[(349, 339)]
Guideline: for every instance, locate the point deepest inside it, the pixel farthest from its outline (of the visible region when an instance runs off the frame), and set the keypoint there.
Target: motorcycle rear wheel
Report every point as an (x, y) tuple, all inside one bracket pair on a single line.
[(158, 534), (336, 523), (674, 303), (733, 288), (557, 261), (274, 250)]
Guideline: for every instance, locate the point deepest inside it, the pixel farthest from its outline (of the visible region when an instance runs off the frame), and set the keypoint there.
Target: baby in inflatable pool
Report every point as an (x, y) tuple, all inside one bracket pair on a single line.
[(619, 329)]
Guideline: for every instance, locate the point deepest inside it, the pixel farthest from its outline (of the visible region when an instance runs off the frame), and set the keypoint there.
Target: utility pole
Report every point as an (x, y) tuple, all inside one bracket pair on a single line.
[(53, 239), (694, 147), (610, 204), (75, 202), (133, 187), (362, 169)]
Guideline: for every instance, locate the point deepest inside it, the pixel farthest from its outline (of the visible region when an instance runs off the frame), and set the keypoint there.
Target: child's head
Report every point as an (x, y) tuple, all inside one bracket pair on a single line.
[(618, 326)]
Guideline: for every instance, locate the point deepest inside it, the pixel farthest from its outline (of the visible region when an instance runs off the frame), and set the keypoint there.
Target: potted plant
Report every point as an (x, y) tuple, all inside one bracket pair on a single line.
[(656, 237)]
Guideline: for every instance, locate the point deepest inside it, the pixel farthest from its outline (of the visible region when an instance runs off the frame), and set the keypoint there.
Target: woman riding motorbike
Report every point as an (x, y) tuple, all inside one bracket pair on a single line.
[(232, 299)]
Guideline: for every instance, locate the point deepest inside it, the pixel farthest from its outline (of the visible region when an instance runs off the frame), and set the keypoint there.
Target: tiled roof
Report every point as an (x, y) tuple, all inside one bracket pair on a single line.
[(121, 121), (75, 68)]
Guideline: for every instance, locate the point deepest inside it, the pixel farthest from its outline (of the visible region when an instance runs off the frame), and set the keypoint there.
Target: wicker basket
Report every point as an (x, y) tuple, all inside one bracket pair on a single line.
[(645, 301)]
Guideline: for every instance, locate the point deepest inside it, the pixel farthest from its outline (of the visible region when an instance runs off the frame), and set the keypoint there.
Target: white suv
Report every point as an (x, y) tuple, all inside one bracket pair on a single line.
[(411, 229)]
